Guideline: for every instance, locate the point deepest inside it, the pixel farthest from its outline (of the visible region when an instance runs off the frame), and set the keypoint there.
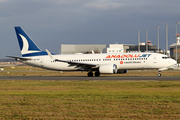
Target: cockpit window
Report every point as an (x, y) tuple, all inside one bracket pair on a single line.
[(165, 57)]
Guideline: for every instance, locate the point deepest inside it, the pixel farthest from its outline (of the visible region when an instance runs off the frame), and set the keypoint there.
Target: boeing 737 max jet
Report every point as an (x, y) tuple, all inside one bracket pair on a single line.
[(114, 63)]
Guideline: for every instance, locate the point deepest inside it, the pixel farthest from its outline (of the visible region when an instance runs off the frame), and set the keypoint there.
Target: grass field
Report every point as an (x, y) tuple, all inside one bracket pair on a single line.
[(89, 99)]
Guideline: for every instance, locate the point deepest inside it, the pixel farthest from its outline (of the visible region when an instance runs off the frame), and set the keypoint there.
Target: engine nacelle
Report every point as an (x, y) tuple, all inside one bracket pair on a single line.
[(122, 71), (108, 68)]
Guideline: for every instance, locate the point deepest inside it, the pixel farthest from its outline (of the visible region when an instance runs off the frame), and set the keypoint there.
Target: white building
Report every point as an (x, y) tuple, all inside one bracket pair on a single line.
[(173, 48), (114, 48)]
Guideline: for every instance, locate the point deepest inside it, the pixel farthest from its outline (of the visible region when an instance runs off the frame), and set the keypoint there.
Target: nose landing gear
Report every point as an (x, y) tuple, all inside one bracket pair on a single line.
[(159, 74)]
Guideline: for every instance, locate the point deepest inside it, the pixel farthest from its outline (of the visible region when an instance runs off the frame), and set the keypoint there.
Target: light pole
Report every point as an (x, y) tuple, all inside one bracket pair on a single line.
[(176, 39), (146, 40), (158, 38), (138, 41), (166, 38)]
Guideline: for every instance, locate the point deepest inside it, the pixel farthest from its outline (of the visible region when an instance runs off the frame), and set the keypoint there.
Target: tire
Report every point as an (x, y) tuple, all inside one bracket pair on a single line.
[(159, 74), (97, 74), (90, 74)]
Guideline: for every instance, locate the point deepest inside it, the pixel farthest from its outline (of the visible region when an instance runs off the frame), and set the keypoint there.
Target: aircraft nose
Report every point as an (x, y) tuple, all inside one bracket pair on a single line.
[(173, 62)]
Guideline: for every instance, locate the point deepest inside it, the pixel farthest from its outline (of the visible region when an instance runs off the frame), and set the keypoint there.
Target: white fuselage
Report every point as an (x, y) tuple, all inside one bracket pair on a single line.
[(124, 61)]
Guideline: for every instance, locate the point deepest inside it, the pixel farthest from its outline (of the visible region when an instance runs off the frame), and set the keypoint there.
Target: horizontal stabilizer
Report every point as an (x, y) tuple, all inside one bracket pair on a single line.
[(19, 58)]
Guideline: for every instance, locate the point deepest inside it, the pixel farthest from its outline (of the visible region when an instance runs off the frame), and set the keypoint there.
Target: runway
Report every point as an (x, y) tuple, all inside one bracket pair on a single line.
[(87, 78)]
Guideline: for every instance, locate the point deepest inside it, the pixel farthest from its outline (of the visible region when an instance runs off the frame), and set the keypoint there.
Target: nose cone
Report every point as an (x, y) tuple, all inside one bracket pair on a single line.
[(173, 62)]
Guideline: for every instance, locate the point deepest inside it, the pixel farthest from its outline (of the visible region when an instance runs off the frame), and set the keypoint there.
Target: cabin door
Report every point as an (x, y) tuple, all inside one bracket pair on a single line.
[(42, 62), (155, 59)]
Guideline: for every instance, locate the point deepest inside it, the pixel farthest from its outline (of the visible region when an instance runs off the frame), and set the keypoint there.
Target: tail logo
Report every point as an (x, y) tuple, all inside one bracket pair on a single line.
[(25, 48)]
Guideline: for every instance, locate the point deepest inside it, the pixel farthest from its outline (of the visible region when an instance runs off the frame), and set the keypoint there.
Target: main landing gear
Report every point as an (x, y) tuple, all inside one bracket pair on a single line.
[(97, 74), (90, 74)]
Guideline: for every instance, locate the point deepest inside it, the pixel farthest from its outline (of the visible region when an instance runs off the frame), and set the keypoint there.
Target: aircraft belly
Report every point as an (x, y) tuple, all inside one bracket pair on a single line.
[(60, 66), (35, 64)]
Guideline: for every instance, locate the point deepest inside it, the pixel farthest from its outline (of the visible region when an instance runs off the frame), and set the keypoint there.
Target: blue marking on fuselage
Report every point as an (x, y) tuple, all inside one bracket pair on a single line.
[(36, 54), (145, 55)]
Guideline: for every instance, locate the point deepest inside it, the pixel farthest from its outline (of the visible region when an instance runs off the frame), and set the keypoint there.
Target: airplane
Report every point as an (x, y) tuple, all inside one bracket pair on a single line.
[(101, 63)]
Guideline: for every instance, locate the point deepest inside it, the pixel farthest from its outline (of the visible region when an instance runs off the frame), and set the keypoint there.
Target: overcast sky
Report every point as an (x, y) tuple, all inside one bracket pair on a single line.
[(51, 23)]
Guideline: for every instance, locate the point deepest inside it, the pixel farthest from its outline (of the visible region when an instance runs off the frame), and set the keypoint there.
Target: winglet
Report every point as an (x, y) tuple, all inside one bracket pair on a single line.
[(50, 55)]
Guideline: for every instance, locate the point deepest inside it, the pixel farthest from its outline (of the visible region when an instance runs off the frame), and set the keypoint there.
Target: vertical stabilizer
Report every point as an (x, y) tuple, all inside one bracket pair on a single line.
[(27, 47)]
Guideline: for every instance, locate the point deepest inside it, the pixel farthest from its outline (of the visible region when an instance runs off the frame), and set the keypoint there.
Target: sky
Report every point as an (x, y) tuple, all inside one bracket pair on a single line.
[(51, 23)]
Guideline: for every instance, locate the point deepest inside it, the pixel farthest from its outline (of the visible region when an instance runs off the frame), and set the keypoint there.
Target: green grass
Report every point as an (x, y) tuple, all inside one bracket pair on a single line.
[(89, 99)]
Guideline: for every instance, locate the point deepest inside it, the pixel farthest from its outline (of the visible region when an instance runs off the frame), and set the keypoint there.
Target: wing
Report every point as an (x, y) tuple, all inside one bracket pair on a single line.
[(80, 65)]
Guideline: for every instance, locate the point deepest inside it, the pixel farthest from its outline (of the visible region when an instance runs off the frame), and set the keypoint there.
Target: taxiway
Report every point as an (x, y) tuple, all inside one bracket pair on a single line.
[(86, 78)]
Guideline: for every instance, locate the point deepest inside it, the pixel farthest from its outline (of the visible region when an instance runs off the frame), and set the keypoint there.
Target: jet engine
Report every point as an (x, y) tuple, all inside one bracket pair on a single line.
[(108, 68), (122, 71)]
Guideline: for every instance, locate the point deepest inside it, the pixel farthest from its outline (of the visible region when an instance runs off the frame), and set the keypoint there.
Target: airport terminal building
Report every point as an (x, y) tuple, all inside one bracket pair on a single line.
[(173, 49), (104, 48), (81, 48)]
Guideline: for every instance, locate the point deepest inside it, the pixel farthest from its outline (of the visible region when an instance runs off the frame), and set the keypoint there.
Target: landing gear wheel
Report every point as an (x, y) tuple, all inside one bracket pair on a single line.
[(97, 74), (159, 74), (90, 74)]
